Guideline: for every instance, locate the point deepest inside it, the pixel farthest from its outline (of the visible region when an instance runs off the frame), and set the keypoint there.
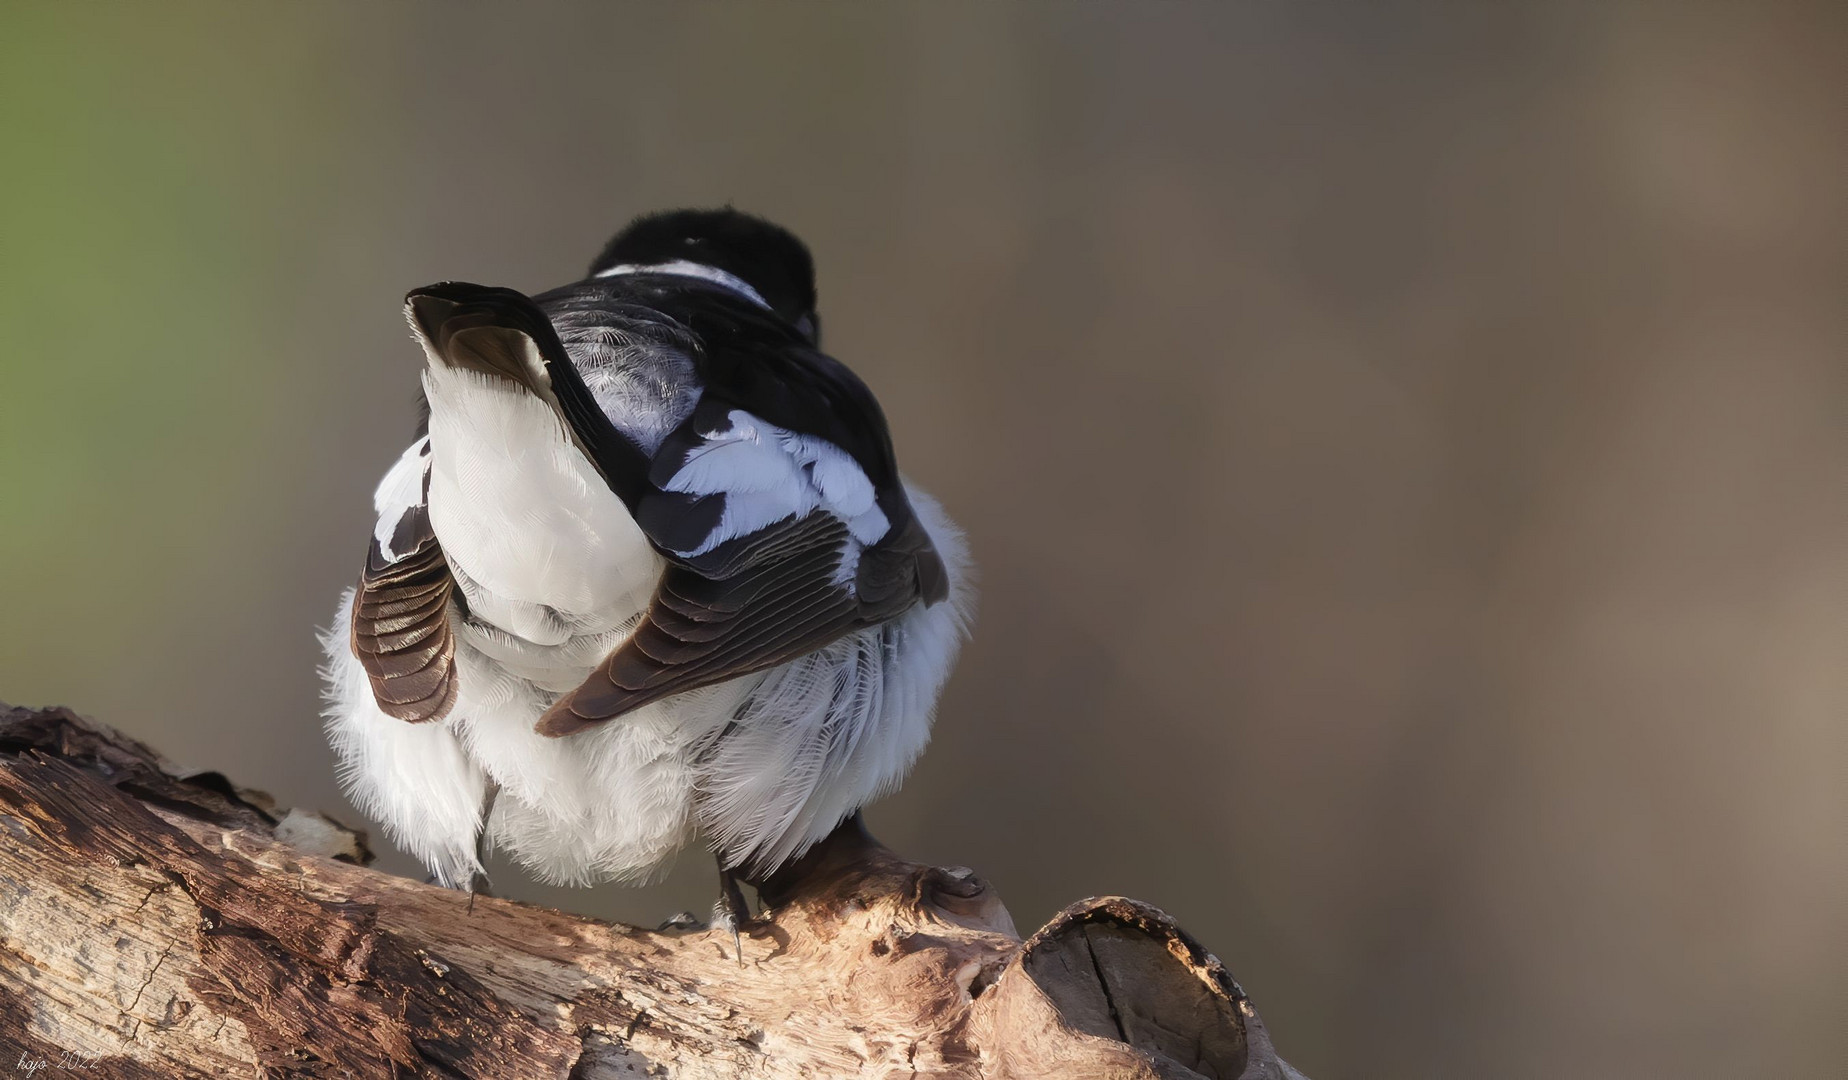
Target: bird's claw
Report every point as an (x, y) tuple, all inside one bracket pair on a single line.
[(684, 920), (724, 921)]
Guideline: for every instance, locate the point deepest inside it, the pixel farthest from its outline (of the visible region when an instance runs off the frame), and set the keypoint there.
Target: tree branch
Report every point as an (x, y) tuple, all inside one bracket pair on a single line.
[(158, 925)]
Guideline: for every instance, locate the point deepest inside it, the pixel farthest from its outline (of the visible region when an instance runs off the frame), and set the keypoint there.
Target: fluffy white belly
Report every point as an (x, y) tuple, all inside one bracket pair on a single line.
[(614, 802)]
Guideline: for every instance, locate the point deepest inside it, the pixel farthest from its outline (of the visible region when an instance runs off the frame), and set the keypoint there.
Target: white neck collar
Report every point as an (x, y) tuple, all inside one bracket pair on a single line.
[(685, 268)]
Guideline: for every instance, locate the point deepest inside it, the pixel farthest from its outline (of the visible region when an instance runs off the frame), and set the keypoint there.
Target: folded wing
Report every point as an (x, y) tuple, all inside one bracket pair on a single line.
[(401, 632), (775, 503)]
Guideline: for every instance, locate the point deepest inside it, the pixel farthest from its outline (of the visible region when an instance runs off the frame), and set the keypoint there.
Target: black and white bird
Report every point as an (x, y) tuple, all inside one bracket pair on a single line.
[(649, 573)]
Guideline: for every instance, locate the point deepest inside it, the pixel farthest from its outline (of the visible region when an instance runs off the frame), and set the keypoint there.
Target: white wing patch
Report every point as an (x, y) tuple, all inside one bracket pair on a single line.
[(767, 474), (401, 489), (686, 268)]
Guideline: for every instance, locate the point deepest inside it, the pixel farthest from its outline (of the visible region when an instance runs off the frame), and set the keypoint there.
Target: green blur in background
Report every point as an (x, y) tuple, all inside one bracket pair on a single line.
[(1402, 445)]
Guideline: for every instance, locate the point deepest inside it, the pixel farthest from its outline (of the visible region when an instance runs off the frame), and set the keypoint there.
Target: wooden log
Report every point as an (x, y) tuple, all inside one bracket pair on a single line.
[(159, 925)]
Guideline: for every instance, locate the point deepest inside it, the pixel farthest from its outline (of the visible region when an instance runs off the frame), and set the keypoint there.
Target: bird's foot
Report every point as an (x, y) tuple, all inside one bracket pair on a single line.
[(477, 884), (732, 911), (684, 920)]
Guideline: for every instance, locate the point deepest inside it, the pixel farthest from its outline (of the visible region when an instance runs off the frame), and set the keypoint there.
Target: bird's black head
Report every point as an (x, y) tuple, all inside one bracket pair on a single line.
[(766, 257)]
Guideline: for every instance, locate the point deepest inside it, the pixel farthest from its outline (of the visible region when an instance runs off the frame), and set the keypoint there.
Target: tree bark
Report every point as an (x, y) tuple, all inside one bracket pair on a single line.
[(158, 925)]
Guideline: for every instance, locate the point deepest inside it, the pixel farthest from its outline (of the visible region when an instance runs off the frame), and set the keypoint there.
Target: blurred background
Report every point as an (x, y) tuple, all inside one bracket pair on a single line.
[(1403, 445)]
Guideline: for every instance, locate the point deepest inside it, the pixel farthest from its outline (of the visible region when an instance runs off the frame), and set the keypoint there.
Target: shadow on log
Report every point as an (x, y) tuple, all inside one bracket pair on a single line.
[(158, 924)]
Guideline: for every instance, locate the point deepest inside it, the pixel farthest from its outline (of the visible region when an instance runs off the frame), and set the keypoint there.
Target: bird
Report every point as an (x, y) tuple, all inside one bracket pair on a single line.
[(648, 574)]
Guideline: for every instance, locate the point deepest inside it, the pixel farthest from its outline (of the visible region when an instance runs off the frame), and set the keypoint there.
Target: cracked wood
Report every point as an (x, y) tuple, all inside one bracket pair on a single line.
[(153, 924)]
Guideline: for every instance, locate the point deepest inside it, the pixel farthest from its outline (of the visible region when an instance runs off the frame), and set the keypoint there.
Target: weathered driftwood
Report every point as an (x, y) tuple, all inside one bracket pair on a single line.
[(160, 925)]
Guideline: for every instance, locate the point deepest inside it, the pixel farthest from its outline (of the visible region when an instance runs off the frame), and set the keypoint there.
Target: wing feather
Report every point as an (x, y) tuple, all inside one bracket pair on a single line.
[(401, 633), (702, 630)]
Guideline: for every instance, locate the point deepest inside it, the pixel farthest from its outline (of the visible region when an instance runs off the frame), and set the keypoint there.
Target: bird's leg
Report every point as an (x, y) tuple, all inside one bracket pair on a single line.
[(478, 881), (732, 910)]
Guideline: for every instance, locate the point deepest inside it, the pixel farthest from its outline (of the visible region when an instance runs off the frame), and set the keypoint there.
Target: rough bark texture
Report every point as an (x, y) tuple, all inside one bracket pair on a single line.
[(159, 925)]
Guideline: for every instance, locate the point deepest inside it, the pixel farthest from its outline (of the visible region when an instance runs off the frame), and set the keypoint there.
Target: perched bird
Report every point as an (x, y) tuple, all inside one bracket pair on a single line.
[(649, 572)]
